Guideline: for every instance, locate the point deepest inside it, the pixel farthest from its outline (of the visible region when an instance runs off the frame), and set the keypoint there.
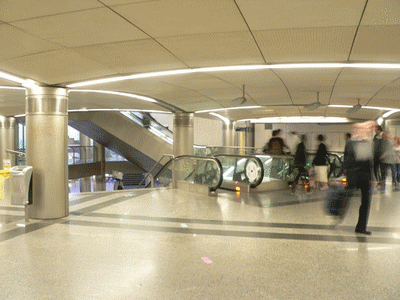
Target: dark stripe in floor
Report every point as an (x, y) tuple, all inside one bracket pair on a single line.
[(239, 223), (246, 234), (7, 235)]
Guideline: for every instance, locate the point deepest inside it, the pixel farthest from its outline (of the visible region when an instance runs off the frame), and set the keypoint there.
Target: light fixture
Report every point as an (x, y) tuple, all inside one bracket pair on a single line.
[(240, 100), (314, 105), (355, 108)]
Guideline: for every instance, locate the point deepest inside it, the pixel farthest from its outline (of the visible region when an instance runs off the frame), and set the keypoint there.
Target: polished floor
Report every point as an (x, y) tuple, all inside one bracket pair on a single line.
[(170, 244)]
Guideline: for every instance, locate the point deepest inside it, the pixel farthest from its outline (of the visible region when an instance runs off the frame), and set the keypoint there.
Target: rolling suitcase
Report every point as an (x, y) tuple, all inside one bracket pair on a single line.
[(336, 201)]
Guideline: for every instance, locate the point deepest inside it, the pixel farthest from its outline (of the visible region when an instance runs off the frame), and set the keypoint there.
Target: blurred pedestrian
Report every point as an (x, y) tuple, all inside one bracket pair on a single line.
[(378, 152), (320, 166), (276, 144), (389, 160), (300, 162), (293, 141), (396, 140), (358, 158)]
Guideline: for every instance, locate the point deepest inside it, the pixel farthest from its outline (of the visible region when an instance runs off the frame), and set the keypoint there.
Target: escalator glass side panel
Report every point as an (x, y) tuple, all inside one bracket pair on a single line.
[(277, 167), (164, 177), (240, 170), (193, 169)]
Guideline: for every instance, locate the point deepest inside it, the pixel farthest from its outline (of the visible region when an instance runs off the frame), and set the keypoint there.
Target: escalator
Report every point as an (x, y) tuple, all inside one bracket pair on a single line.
[(256, 173), (140, 141)]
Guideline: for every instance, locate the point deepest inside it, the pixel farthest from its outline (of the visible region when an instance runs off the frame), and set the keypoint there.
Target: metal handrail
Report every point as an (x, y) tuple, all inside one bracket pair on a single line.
[(15, 152), (148, 174)]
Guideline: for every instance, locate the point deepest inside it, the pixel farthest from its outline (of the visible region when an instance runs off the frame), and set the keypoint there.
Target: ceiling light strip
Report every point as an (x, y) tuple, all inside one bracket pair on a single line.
[(11, 88), (238, 68), (316, 119), (148, 99), (226, 120), (12, 78), (227, 108), (119, 109)]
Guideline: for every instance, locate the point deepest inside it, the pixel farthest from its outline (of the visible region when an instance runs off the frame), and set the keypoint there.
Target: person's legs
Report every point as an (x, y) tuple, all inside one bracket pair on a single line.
[(364, 207), (383, 167), (377, 173), (398, 175), (323, 177), (394, 174)]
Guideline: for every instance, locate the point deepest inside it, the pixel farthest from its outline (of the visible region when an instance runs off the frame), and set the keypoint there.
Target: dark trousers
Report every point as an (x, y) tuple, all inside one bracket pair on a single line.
[(301, 171), (393, 168), (378, 170), (364, 185)]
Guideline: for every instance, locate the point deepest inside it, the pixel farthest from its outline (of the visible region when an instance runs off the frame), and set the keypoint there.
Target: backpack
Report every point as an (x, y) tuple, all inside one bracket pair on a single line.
[(275, 147)]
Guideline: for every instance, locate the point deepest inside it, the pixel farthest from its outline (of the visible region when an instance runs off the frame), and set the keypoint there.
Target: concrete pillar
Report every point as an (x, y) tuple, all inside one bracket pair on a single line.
[(7, 137), (183, 134), (47, 151)]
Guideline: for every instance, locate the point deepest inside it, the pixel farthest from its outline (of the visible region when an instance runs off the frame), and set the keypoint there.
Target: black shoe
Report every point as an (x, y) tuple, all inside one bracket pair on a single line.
[(363, 231)]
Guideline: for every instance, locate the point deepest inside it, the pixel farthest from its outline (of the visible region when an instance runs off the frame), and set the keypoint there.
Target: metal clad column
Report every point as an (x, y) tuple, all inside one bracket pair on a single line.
[(47, 151), (7, 134), (85, 183), (249, 134), (100, 180), (183, 133), (228, 138)]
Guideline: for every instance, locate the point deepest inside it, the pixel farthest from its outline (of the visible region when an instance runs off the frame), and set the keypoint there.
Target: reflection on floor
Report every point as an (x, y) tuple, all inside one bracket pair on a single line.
[(93, 184), (169, 244)]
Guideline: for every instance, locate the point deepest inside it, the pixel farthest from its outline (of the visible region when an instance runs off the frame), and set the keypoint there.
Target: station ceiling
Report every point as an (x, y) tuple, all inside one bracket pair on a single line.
[(198, 55)]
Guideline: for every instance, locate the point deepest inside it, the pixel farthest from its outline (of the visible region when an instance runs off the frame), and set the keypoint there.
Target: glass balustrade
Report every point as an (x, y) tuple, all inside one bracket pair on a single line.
[(247, 170), (193, 169), (277, 167)]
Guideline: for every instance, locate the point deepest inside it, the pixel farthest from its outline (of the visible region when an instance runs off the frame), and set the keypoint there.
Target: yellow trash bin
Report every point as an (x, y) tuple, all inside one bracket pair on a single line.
[(4, 174)]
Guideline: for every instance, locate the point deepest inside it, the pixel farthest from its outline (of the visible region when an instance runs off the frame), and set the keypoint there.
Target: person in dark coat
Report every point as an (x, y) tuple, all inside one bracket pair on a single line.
[(379, 149), (300, 161), (319, 163), (357, 165)]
